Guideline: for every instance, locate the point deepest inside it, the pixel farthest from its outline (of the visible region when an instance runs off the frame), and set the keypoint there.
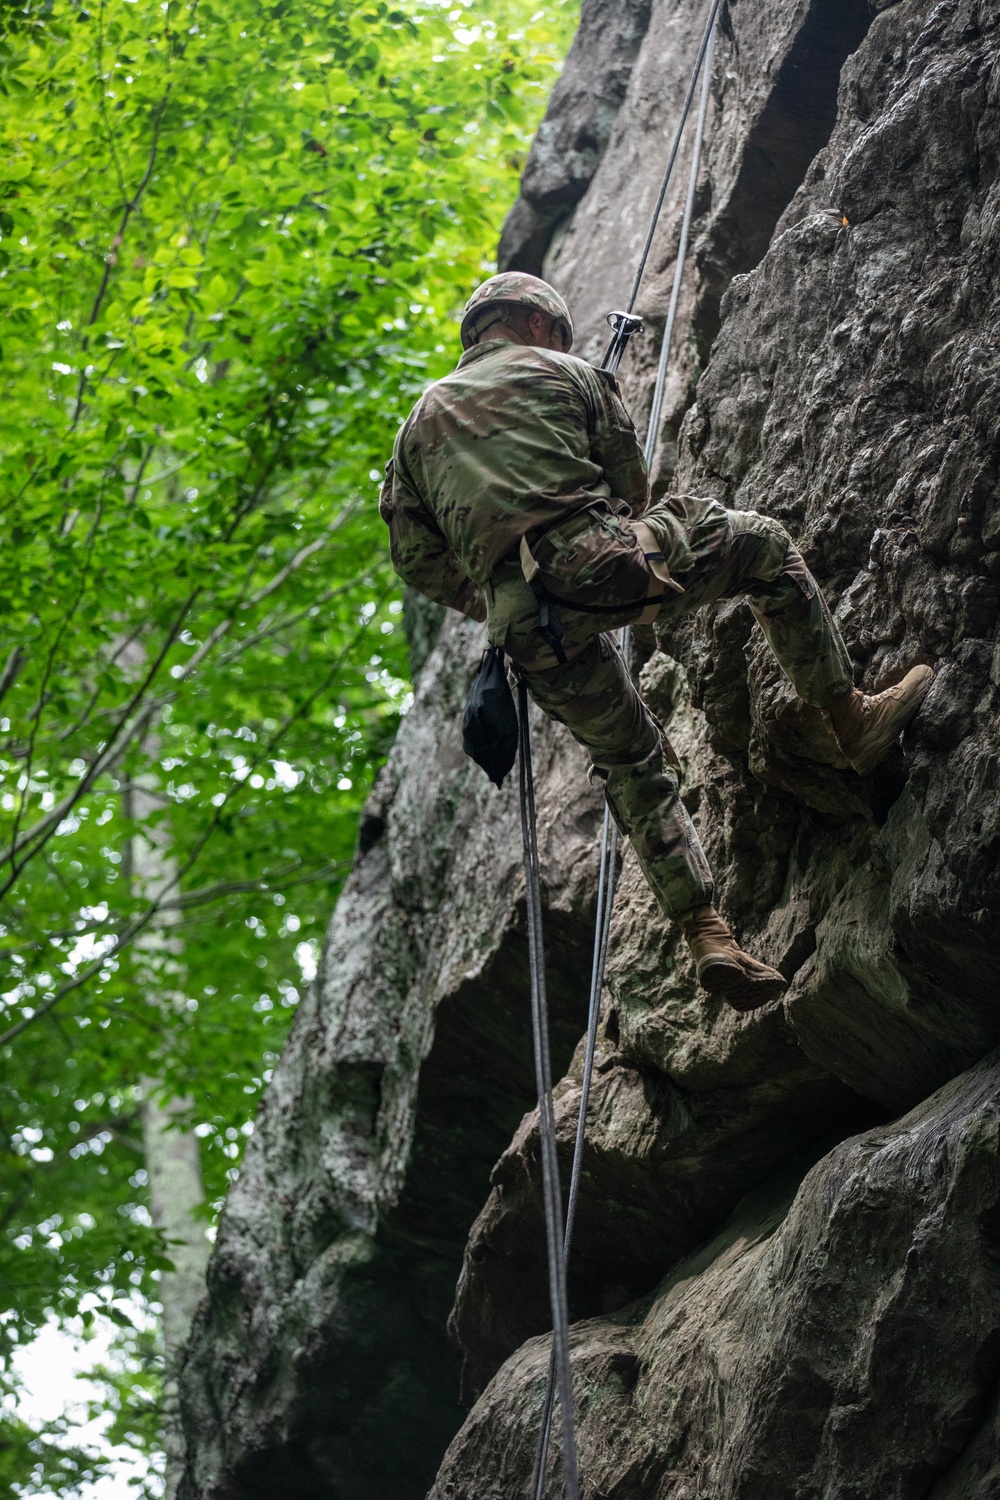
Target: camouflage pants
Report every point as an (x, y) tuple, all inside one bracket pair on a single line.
[(595, 571)]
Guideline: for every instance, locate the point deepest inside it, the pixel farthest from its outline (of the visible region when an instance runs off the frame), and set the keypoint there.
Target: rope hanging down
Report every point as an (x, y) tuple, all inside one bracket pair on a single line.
[(546, 1109), (559, 1364), (656, 410), (668, 173), (624, 323)]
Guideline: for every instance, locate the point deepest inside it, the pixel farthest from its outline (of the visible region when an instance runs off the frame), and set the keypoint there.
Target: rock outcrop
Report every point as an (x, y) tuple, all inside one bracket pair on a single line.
[(835, 1332), (799, 1352)]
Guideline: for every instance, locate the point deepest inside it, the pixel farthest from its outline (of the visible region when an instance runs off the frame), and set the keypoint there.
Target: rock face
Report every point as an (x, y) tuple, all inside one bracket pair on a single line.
[(835, 1332), (799, 1352), (574, 134), (320, 1364)]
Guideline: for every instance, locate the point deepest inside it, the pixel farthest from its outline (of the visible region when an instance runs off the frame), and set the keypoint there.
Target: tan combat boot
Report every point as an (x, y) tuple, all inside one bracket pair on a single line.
[(867, 728), (723, 969)]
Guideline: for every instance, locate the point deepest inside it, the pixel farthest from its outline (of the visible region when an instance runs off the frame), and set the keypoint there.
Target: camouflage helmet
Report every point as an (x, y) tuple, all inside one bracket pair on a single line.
[(519, 289)]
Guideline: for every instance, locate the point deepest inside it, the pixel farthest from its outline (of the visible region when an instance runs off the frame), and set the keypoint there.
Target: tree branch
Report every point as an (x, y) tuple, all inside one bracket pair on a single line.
[(281, 880), (12, 667), (111, 259), (122, 737), (134, 928)]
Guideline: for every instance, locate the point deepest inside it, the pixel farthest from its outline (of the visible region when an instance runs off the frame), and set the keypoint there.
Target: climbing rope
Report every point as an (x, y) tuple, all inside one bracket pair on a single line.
[(546, 1109), (602, 929), (624, 325), (668, 173), (656, 410)]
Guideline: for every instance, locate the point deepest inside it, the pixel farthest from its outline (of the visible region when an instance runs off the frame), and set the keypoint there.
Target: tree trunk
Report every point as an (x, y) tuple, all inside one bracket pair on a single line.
[(173, 1162), (176, 1194)]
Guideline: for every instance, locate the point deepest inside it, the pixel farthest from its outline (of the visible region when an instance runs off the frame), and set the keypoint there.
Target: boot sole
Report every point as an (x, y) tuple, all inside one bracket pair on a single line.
[(878, 752), (738, 989)]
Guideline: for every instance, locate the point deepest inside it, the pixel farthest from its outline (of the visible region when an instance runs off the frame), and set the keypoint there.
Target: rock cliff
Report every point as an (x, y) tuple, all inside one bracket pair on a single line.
[(780, 1287)]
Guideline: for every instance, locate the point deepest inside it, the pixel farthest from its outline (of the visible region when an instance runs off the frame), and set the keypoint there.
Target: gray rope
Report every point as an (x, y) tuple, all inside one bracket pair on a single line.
[(607, 864), (656, 411), (709, 27), (546, 1109), (602, 929)]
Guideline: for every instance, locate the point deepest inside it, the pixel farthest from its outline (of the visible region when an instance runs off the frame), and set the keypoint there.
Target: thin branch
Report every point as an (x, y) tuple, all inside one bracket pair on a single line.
[(103, 108), (296, 562), (140, 471), (14, 1206), (189, 901), (35, 718), (210, 893), (167, 474), (111, 259), (12, 667), (133, 929), (81, 723), (271, 627), (83, 720), (132, 724)]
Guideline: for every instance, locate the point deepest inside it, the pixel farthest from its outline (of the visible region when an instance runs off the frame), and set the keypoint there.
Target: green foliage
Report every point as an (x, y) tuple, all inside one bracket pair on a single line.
[(45, 1461), (234, 240), (130, 1401)]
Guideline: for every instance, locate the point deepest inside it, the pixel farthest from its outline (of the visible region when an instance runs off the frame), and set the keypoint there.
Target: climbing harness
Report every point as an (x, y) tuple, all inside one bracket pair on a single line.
[(549, 624), (624, 325)]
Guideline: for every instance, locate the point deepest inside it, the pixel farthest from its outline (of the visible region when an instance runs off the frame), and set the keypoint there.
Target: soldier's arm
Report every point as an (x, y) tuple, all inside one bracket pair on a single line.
[(420, 552), (615, 446)]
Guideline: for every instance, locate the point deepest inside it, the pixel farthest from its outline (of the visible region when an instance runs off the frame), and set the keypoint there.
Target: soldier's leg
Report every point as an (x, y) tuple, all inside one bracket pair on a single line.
[(788, 605), (794, 617), (595, 697), (761, 562), (721, 553)]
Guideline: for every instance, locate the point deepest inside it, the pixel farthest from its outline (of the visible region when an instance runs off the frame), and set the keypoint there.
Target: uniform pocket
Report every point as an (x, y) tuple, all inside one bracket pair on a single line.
[(604, 567), (670, 534)]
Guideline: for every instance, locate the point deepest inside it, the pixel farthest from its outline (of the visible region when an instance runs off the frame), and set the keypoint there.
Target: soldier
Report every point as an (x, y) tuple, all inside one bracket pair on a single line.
[(514, 495)]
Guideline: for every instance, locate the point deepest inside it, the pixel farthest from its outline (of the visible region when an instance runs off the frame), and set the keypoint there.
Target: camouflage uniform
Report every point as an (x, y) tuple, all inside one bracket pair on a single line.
[(526, 442)]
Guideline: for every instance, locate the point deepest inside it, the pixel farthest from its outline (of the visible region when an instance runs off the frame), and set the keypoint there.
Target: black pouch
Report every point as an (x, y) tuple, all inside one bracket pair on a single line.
[(489, 724)]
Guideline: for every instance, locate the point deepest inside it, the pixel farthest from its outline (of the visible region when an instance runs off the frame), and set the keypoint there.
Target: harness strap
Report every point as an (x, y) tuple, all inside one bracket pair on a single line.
[(550, 627), (651, 551)]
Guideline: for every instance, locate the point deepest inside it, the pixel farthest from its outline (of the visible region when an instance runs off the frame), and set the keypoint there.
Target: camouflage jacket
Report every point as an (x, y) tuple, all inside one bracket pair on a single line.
[(515, 438)]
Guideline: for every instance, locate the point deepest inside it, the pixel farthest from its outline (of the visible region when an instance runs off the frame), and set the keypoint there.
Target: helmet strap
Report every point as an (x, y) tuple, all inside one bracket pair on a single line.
[(499, 314)]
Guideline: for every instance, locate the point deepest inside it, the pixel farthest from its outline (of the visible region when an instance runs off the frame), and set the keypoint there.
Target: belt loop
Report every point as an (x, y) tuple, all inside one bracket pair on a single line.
[(529, 567)]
